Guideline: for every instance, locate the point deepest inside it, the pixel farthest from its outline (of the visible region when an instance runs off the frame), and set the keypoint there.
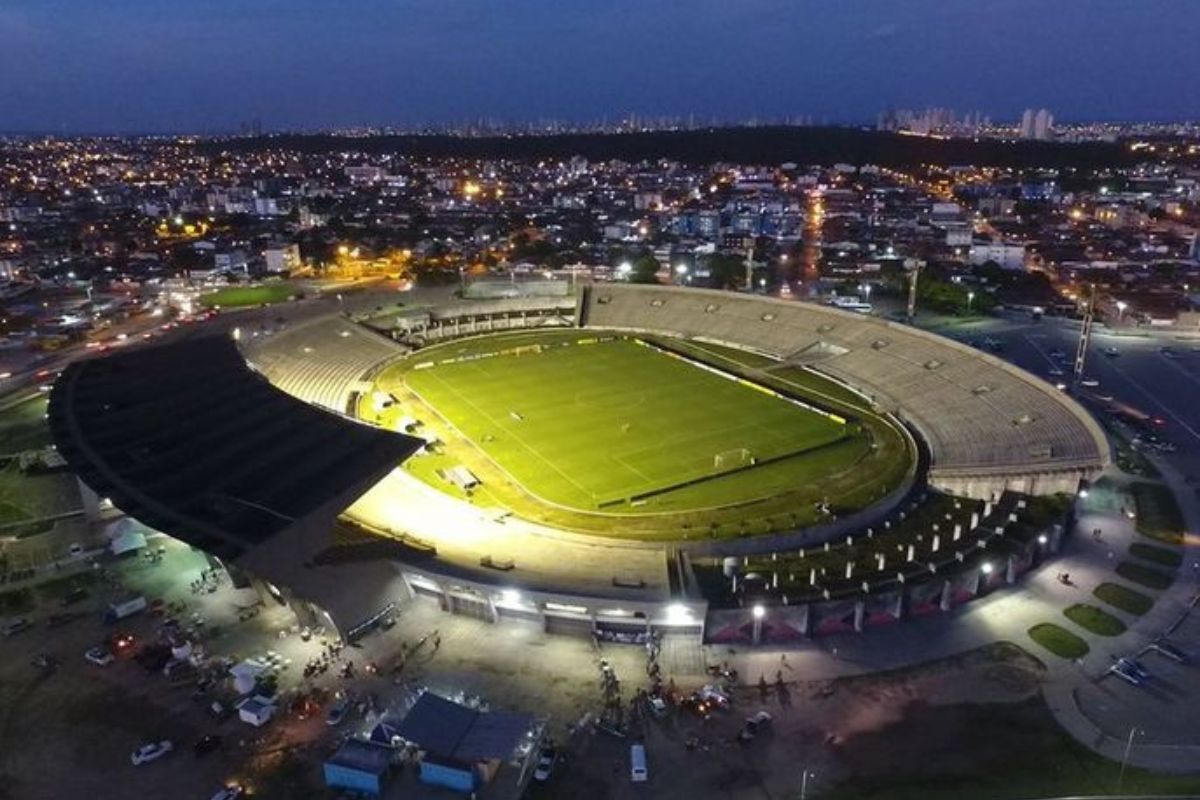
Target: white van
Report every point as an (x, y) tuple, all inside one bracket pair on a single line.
[(637, 764)]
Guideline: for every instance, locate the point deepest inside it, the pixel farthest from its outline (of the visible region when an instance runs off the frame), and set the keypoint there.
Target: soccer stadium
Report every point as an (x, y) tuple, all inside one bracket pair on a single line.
[(722, 465)]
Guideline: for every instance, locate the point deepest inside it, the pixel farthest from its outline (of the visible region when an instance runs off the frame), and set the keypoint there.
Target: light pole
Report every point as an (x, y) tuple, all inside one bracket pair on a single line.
[(681, 270), (804, 776), (1121, 306), (970, 297), (1125, 758)]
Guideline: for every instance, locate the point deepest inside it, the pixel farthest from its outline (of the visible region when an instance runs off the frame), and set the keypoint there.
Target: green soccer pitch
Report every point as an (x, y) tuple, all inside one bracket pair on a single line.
[(573, 427)]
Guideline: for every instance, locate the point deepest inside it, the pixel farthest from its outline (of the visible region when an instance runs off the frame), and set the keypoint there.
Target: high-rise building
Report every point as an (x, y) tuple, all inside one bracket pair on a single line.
[(1043, 124), (1037, 124), (1027, 124)]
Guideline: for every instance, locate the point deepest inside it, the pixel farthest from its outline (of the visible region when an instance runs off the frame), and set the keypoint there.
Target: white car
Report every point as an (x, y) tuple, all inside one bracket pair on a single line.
[(545, 765), (100, 656), (231, 792), (151, 751), (1091, 383)]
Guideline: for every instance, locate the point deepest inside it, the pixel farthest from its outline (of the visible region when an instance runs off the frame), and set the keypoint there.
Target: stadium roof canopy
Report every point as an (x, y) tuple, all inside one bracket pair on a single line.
[(186, 438)]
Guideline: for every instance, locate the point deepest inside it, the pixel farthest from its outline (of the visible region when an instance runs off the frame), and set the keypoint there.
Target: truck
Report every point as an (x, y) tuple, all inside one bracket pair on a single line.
[(123, 609)]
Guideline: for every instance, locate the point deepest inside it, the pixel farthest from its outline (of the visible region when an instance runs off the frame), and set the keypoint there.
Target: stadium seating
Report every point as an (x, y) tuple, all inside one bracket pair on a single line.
[(320, 362), (978, 415)]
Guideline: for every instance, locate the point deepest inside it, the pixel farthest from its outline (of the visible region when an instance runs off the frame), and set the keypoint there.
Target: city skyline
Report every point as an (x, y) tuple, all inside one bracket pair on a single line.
[(214, 66)]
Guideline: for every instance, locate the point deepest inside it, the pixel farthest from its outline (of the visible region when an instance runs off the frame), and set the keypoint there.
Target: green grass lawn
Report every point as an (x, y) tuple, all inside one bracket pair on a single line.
[(600, 425), (1093, 619), (1124, 598), (1150, 578), (235, 296), (1158, 515), (1158, 555), (23, 426), (1058, 640)]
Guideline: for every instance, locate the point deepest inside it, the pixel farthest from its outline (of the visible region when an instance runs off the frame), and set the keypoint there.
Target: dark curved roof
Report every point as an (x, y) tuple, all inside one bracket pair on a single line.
[(188, 439)]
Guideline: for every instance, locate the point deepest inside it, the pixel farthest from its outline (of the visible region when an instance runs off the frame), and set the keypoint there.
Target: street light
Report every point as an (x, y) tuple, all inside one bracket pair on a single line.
[(804, 776), (758, 611), (970, 297), (1125, 759), (1121, 306)]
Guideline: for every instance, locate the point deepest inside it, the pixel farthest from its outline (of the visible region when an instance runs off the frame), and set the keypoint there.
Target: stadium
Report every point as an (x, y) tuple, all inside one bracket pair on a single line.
[(721, 465)]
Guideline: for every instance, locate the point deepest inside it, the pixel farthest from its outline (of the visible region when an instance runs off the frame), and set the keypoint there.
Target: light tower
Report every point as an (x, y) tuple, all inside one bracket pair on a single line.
[(912, 290), (1085, 335)]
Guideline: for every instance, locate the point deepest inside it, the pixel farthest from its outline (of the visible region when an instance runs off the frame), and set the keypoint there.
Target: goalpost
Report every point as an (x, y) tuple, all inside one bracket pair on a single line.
[(733, 459)]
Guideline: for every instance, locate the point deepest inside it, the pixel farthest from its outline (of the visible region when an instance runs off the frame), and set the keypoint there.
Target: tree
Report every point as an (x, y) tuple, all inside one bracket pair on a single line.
[(645, 270), (726, 271)]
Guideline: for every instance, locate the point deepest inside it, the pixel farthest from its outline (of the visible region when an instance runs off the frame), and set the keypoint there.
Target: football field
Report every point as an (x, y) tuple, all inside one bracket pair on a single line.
[(617, 425)]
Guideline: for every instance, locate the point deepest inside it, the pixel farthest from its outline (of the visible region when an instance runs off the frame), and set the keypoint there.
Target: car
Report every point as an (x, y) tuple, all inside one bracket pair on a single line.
[(1112, 352), (1057, 354), (206, 744), (74, 596), (151, 751), (1089, 382), (337, 711), (758, 720), (547, 758), (231, 792), (698, 706), (122, 642), (100, 656), (715, 696), (658, 706), (1055, 372), (1168, 352), (15, 626)]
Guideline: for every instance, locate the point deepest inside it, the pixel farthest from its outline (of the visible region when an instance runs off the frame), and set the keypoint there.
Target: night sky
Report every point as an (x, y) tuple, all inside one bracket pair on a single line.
[(210, 65)]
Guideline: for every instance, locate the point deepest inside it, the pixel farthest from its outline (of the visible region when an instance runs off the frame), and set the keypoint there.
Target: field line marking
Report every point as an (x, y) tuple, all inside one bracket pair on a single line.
[(508, 431)]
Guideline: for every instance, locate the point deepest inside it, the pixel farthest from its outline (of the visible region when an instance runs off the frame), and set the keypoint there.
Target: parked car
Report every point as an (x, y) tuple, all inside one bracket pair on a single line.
[(151, 751), (337, 711), (100, 656), (15, 626), (231, 792), (715, 696), (758, 720), (545, 764)]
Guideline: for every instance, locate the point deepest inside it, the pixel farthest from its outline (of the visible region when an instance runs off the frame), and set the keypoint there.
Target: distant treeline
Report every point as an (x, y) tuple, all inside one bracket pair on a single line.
[(765, 145)]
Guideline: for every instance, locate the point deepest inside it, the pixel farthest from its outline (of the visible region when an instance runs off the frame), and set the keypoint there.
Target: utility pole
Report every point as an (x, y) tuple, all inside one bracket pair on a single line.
[(913, 274), (750, 268), (1085, 335)]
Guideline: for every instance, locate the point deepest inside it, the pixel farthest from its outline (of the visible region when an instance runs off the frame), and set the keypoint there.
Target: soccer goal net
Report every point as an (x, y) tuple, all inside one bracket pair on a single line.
[(733, 459)]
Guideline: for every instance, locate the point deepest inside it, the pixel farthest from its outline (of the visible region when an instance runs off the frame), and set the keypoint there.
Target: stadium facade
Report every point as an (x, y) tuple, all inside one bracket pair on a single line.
[(251, 454)]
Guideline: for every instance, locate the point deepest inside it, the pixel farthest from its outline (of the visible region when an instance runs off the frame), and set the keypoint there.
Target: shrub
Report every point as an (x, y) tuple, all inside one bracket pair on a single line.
[(1150, 578), (1059, 641), (1093, 619), (1124, 598), (1159, 555)]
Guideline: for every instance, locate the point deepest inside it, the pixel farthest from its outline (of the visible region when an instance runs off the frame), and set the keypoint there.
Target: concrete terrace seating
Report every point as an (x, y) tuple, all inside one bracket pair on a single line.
[(979, 415), (321, 361)]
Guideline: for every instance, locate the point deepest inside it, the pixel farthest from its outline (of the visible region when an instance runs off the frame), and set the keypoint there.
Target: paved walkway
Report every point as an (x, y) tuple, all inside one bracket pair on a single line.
[(1006, 615)]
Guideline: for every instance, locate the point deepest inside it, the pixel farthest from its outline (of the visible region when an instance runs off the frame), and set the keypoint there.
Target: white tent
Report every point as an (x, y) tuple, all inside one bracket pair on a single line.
[(246, 674), (125, 536)]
